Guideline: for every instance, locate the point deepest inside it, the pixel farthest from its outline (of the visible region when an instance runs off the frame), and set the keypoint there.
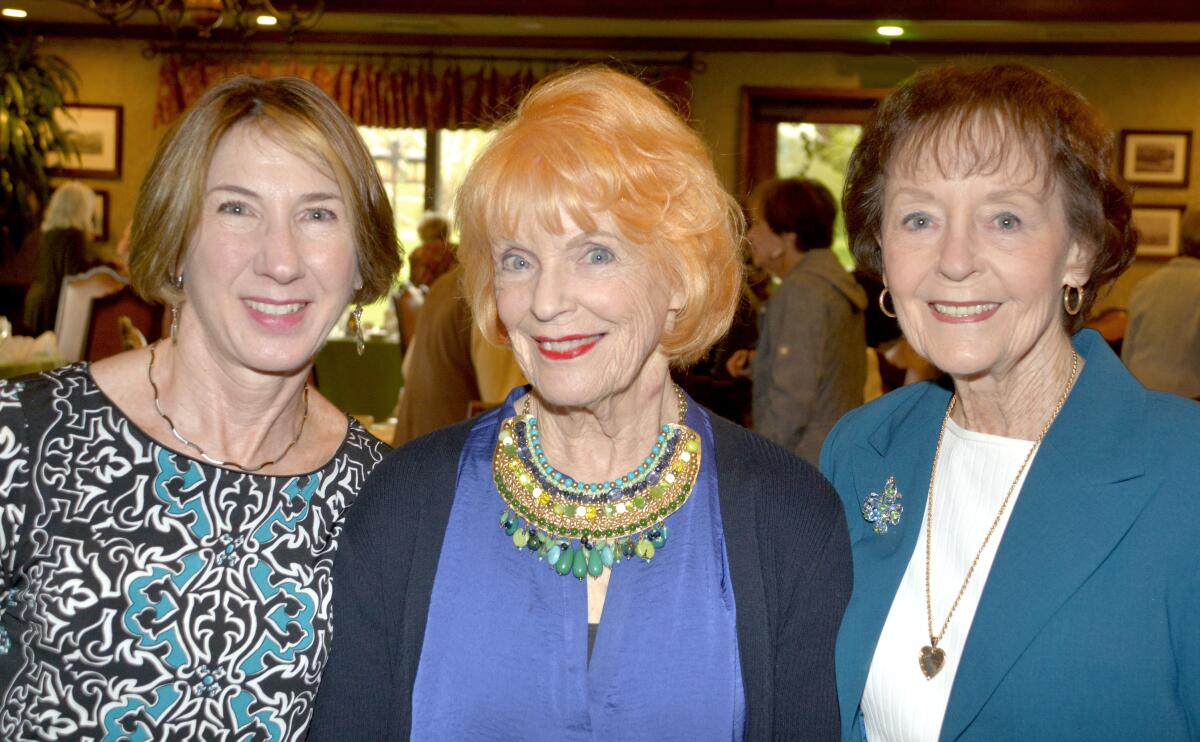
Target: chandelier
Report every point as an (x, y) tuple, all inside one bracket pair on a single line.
[(243, 17)]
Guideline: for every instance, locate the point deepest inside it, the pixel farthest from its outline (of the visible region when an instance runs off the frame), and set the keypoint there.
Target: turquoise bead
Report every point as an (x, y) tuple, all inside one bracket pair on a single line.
[(595, 565), (606, 555), (512, 526), (579, 563), (564, 563)]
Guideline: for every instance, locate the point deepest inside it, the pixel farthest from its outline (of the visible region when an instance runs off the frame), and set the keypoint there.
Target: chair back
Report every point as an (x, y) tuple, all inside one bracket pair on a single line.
[(75, 307), (120, 321)]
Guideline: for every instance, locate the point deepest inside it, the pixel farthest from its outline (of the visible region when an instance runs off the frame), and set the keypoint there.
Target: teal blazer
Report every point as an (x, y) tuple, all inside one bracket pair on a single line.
[(1089, 624)]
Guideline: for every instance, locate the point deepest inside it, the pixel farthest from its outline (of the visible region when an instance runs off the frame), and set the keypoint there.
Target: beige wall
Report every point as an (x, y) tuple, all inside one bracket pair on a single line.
[(1132, 92)]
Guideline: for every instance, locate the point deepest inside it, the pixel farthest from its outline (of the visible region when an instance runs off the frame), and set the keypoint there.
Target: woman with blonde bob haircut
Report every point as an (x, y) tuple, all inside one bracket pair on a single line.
[(207, 482), (598, 243)]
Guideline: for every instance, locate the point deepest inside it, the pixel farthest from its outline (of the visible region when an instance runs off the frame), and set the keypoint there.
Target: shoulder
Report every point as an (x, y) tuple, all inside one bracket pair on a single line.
[(1171, 427), (423, 468), (785, 486), (863, 420)]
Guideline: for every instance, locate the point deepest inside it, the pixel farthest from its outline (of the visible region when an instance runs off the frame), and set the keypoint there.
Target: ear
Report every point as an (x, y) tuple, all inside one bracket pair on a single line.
[(1078, 266), (789, 240)]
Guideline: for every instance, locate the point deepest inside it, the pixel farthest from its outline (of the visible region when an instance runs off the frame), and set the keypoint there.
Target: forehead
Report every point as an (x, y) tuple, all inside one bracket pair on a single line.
[(255, 149), (986, 144)]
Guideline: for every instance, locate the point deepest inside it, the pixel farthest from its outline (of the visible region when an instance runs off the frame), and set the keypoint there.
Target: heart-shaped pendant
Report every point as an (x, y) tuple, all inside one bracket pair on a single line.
[(931, 659)]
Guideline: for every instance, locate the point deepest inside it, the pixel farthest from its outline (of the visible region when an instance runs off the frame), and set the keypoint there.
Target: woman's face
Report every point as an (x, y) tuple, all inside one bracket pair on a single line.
[(272, 262), (766, 247), (584, 310), (976, 263)]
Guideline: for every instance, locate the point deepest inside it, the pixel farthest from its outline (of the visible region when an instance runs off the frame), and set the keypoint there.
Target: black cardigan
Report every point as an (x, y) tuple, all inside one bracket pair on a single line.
[(789, 559)]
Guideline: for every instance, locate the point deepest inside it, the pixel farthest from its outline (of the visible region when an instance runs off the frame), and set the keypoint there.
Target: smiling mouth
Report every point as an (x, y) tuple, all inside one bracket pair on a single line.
[(564, 348), (964, 310), (275, 310)]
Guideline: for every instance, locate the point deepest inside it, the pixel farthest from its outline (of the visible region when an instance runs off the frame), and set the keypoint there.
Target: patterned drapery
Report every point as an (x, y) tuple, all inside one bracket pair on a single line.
[(421, 94)]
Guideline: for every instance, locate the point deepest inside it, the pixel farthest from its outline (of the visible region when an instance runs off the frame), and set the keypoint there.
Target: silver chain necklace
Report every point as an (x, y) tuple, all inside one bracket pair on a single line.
[(189, 444)]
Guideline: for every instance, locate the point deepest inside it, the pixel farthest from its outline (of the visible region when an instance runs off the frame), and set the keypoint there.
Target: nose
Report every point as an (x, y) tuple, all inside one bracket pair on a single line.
[(957, 257), (279, 253), (552, 293)]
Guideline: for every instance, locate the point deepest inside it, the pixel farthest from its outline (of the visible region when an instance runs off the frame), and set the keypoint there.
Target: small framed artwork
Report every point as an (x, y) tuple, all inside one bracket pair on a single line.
[(1158, 230), (1156, 158), (100, 216), (95, 130)]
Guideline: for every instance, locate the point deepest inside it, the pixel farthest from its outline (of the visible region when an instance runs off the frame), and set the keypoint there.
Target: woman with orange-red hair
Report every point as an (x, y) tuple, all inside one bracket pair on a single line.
[(598, 242)]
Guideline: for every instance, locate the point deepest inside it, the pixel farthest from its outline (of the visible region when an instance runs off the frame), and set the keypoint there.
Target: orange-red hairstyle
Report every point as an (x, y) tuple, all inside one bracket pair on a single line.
[(593, 141), (983, 120)]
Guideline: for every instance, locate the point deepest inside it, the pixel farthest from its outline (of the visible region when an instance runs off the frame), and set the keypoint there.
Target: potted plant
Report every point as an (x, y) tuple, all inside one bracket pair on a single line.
[(32, 87)]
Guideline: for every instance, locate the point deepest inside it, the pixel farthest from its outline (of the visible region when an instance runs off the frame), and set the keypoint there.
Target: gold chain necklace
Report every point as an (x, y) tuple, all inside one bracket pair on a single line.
[(200, 451), (933, 657)]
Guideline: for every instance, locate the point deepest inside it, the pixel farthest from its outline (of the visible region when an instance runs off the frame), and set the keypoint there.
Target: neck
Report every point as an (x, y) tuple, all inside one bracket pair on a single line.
[(787, 261), (1017, 403), (233, 414), (609, 439)]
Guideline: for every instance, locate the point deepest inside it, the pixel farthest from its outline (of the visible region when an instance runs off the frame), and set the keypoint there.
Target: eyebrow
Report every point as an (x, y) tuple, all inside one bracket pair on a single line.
[(304, 198), (579, 239)]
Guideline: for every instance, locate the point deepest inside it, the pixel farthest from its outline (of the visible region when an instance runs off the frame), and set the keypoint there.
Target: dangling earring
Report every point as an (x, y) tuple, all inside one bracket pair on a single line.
[(1072, 307), (178, 283), (359, 340), (883, 304)]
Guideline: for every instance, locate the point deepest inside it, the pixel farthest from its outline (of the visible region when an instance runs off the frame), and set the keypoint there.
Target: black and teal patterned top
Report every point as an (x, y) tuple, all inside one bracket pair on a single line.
[(147, 595)]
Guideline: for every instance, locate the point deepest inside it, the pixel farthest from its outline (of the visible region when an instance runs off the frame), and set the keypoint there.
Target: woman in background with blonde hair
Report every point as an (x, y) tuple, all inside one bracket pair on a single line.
[(62, 251)]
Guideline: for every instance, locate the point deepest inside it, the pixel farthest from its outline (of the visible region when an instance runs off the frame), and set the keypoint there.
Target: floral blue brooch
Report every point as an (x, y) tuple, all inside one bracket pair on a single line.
[(884, 510)]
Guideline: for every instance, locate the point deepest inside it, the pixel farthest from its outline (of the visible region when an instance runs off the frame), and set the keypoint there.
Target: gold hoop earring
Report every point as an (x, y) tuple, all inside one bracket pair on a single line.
[(883, 304), (1072, 307)]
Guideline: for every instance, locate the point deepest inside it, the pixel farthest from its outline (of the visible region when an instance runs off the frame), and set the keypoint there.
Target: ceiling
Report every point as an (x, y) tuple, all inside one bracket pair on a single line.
[(1028, 26)]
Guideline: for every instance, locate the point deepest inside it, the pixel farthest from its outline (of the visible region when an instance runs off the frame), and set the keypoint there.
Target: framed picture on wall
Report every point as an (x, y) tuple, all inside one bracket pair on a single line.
[(1156, 158), (1158, 230), (95, 131), (100, 216)]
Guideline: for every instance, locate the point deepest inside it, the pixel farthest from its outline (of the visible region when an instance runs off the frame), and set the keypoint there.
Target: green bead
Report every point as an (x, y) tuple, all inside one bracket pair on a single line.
[(639, 502), (579, 563), (644, 549), (505, 518), (510, 451), (520, 538), (657, 491), (560, 508), (692, 446), (565, 560), (595, 565)]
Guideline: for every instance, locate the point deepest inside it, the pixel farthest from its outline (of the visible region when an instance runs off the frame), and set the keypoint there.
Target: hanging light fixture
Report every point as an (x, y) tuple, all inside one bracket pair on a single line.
[(203, 16)]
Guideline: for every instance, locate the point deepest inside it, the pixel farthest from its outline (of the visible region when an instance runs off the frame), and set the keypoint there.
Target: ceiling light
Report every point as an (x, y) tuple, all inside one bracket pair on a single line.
[(266, 20), (13, 13), (891, 31)]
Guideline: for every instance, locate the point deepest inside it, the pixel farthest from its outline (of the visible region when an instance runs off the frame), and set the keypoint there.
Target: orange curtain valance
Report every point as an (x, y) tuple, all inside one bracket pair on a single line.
[(413, 96)]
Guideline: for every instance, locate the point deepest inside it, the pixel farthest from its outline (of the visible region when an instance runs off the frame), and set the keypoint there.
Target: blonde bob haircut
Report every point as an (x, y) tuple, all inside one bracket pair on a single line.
[(300, 117), (594, 141)]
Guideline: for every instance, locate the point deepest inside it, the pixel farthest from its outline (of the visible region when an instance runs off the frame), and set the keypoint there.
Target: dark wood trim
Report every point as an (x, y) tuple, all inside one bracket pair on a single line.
[(369, 43)]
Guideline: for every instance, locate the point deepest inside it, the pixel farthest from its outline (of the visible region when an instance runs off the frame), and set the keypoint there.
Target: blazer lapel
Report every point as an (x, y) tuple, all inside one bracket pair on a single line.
[(1075, 506), (902, 446)]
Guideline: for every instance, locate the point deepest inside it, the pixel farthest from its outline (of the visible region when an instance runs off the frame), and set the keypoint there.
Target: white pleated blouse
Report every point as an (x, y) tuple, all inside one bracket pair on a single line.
[(973, 476)]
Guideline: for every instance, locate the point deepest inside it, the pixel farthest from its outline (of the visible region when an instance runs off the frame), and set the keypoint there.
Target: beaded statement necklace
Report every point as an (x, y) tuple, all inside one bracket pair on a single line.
[(583, 528)]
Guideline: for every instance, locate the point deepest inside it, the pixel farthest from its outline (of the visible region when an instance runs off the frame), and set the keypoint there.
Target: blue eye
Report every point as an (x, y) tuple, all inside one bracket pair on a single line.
[(916, 221), (232, 207), (321, 215), (598, 255), (513, 263), (1007, 222)]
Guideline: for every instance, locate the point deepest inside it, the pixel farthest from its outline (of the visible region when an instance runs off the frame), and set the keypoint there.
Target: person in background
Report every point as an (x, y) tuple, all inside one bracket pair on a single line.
[(810, 366), (598, 242), (62, 252), (1162, 341), (1024, 563), (450, 366), (426, 264), (168, 515)]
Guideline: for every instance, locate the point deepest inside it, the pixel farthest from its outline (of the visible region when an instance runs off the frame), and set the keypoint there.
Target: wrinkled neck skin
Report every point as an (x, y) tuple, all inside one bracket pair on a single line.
[(608, 439), (232, 412), (1016, 402)]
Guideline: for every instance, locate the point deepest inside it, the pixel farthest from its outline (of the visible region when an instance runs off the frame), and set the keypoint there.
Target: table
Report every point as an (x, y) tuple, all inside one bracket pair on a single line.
[(361, 385), (29, 366)]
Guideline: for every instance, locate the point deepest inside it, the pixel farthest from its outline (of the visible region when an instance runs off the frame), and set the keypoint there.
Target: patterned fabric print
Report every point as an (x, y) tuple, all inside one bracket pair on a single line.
[(151, 596)]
